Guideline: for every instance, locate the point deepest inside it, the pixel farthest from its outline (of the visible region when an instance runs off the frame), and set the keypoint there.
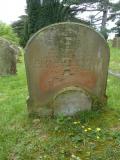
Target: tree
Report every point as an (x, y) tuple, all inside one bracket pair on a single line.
[(26, 25), (7, 32), (117, 29), (33, 11), (19, 28), (41, 14), (45, 12), (101, 11), (116, 17)]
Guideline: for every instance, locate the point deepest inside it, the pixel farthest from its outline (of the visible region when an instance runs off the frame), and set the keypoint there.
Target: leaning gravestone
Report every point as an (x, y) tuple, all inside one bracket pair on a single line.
[(66, 66), (7, 58)]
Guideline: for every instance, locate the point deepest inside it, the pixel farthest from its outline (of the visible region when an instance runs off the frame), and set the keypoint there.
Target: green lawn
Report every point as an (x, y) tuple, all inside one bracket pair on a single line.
[(115, 59), (90, 136)]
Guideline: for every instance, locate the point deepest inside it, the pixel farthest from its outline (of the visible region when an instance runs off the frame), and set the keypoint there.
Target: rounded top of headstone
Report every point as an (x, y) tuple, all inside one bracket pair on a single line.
[(8, 44), (67, 25), (4, 41), (5, 46)]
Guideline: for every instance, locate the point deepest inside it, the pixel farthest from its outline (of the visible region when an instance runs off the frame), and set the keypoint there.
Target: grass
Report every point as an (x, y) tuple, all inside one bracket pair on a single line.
[(92, 135), (115, 59)]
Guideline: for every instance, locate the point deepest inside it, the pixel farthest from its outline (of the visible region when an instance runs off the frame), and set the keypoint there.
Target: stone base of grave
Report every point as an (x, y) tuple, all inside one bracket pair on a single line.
[(67, 102)]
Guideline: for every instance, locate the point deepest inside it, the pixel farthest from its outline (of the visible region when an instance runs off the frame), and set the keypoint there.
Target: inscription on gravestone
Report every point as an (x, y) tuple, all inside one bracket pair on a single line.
[(66, 64)]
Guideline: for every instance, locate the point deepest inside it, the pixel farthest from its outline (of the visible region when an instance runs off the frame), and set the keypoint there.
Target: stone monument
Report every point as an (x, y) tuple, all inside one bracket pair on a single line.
[(7, 58), (116, 42), (66, 66)]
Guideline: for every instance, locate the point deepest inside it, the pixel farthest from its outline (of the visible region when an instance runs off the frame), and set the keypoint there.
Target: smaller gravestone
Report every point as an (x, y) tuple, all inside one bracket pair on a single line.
[(116, 42), (7, 58)]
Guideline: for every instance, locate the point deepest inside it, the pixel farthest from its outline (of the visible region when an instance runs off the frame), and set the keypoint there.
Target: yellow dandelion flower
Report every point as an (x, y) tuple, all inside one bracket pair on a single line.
[(75, 122), (85, 130), (98, 129), (89, 129)]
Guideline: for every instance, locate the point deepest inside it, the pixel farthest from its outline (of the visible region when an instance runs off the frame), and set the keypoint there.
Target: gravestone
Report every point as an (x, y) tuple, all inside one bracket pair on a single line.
[(66, 66), (7, 58), (18, 52), (116, 42)]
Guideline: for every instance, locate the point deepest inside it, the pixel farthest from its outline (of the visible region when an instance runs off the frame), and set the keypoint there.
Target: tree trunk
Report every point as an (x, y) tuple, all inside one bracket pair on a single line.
[(105, 13)]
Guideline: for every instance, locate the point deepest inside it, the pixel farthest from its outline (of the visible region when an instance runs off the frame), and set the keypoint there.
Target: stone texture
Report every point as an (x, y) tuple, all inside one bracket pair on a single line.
[(70, 101), (7, 58), (18, 51), (62, 56), (116, 42)]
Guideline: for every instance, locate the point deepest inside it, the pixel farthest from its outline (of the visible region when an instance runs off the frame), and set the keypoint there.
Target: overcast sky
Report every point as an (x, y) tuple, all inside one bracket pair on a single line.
[(10, 10)]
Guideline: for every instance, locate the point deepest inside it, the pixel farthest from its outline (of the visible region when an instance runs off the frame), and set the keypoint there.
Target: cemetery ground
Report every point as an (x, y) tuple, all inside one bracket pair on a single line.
[(91, 135)]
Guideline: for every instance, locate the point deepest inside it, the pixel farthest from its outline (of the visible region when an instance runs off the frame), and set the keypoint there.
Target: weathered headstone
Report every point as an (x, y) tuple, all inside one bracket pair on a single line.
[(66, 65), (7, 58), (18, 51), (116, 42)]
